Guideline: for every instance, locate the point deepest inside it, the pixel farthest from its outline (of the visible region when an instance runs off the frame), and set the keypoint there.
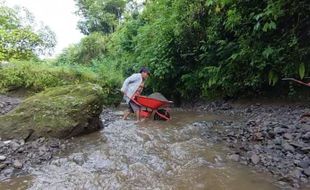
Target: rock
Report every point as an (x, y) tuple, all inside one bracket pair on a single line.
[(2, 166), (14, 145), (40, 140), (306, 136), (17, 164), (307, 172), (279, 130), (7, 142), (288, 136), (76, 107), (21, 150), (304, 164), (2, 158), (277, 141), (296, 173), (225, 106), (55, 145), (258, 136), (234, 157), (257, 147), (306, 149), (297, 145), (255, 159), (7, 171), (296, 185), (288, 147)]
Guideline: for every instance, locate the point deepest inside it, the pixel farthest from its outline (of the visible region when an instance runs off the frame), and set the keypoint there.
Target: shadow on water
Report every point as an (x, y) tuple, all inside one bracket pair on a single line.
[(179, 154)]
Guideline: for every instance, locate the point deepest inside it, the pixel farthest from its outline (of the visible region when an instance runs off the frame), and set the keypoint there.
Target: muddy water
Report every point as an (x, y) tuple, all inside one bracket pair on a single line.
[(180, 154)]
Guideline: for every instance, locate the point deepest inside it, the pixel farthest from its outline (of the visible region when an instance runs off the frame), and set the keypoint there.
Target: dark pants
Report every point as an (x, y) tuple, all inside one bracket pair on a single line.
[(133, 107)]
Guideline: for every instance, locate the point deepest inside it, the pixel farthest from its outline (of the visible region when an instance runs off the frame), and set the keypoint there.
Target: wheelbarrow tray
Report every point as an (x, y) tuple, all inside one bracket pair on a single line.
[(151, 103)]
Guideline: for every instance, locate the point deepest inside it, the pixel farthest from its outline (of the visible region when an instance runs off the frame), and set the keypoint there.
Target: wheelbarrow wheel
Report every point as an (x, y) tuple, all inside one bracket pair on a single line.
[(162, 112)]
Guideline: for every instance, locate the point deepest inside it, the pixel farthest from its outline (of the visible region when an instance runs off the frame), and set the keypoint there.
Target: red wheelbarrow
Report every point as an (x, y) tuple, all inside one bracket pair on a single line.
[(150, 105)]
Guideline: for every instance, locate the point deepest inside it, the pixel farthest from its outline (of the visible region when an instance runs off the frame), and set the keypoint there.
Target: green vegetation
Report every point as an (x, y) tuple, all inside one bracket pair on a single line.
[(18, 37), (217, 48), (195, 49), (90, 48), (99, 15), (39, 76)]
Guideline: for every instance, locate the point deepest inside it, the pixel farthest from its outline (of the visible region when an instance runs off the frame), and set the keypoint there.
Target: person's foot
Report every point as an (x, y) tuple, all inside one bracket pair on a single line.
[(139, 121)]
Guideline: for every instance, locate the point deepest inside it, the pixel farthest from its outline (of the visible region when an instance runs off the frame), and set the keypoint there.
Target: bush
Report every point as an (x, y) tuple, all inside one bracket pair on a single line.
[(216, 48), (37, 76)]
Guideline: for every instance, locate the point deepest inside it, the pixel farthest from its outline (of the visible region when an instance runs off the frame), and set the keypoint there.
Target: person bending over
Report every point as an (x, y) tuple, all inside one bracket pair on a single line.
[(132, 87)]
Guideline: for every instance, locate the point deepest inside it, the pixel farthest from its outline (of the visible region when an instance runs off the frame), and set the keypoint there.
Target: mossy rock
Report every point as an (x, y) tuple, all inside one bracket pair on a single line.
[(60, 112)]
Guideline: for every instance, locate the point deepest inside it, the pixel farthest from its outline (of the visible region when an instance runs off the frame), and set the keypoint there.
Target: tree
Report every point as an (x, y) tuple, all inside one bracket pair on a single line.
[(18, 37), (99, 15), (216, 48), (88, 49)]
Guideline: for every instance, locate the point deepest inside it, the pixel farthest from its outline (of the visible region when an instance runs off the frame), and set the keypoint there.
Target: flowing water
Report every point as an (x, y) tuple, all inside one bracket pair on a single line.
[(180, 154)]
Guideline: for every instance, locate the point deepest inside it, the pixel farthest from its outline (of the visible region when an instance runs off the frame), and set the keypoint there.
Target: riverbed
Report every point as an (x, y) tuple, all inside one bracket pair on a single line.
[(179, 154)]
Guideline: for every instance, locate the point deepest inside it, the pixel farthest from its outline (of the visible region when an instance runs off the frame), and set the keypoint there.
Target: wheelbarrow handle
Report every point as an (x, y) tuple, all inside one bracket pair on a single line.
[(298, 81)]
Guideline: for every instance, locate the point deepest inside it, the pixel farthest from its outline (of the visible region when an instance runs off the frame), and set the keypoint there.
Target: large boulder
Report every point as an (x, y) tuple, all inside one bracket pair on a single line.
[(60, 112)]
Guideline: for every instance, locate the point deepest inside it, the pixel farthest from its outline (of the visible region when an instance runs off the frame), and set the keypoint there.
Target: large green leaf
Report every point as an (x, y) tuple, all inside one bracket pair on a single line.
[(302, 70)]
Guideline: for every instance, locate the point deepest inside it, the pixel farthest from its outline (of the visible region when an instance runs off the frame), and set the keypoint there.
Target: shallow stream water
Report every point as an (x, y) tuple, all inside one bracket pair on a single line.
[(180, 154)]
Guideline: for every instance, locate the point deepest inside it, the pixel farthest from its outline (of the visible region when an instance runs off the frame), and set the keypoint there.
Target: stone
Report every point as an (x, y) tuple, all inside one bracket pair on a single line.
[(288, 136), (75, 107), (306, 136), (296, 173), (306, 149), (2, 158), (288, 147), (279, 130), (277, 141), (17, 164), (297, 145), (255, 159), (2, 166), (234, 157), (304, 164), (307, 172), (78, 158)]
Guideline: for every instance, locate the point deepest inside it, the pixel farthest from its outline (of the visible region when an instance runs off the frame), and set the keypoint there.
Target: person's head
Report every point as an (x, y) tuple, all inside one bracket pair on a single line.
[(145, 72)]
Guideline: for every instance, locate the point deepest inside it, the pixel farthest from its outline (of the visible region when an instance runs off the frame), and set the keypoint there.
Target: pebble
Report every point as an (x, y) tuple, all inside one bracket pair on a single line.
[(2, 158), (2, 166), (17, 164), (288, 147), (255, 159), (288, 136), (234, 157), (307, 172)]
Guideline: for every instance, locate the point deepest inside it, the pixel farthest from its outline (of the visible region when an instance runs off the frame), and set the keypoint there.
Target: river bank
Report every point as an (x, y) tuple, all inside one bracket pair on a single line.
[(268, 137), (271, 137), (18, 156)]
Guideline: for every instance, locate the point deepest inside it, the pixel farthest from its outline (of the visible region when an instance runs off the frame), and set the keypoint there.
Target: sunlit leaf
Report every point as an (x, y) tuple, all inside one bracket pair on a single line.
[(302, 70)]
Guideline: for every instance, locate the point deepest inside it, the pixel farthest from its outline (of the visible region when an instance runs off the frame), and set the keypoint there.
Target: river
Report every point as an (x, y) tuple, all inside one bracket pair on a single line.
[(179, 154)]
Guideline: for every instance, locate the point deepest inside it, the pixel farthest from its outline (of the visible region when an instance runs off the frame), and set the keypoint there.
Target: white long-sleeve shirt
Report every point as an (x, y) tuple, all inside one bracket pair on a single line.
[(131, 85)]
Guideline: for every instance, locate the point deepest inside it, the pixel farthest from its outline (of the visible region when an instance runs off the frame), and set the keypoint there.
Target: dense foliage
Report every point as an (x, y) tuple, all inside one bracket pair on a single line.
[(208, 48), (19, 39), (195, 49), (88, 49), (99, 15)]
